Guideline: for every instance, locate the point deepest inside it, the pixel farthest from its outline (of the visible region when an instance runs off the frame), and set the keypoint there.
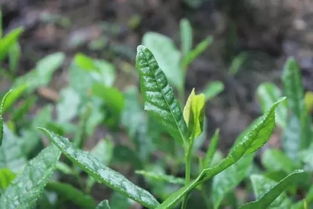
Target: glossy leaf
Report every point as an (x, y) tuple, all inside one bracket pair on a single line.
[(252, 141), (269, 194), (101, 173), (194, 114), (13, 95), (159, 96), (197, 51), (103, 205), (27, 187), (161, 177), (6, 177), (68, 192), (267, 94), (213, 89), (228, 179), (9, 40), (185, 36), (167, 57)]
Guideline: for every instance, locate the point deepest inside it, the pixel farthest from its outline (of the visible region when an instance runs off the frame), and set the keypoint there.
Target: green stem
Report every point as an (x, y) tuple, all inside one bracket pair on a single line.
[(188, 157)]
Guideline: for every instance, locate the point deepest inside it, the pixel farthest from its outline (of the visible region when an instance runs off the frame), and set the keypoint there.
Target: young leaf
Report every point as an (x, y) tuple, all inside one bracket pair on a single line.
[(68, 192), (253, 140), (197, 51), (266, 198), (185, 36), (213, 89), (194, 113), (267, 94), (159, 96), (167, 57), (101, 173), (27, 187), (161, 177), (308, 100), (103, 205)]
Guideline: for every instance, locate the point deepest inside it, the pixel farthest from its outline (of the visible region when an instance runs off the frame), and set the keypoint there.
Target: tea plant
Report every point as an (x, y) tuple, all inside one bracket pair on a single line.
[(32, 174)]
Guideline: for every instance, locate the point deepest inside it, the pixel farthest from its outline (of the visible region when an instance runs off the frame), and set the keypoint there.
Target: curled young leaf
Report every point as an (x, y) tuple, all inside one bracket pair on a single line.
[(159, 95), (194, 114)]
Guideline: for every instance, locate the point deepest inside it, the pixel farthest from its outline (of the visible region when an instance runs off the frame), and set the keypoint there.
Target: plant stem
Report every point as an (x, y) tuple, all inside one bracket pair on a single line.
[(188, 156)]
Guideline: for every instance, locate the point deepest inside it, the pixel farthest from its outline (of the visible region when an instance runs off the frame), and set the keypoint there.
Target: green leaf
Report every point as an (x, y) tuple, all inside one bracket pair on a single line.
[(103, 205), (103, 151), (197, 51), (185, 36), (308, 100), (6, 177), (68, 192), (294, 91), (99, 70), (237, 63), (228, 179), (194, 114), (161, 177), (159, 96), (211, 149), (13, 96), (293, 86), (42, 73), (14, 56), (213, 89), (11, 152), (252, 141), (101, 173), (167, 57), (27, 187), (276, 160), (267, 94), (67, 107), (2, 104), (111, 96), (268, 193), (9, 40)]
